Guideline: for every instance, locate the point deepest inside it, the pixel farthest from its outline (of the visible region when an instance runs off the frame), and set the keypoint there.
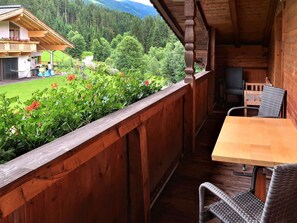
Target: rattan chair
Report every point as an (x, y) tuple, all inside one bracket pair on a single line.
[(271, 103), (280, 205)]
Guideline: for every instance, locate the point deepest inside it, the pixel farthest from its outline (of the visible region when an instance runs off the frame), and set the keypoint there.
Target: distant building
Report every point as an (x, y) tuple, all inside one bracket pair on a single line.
[(22, 38)]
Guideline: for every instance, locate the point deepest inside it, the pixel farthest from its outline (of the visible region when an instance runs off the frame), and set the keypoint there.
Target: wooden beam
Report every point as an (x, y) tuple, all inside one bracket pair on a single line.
[(37, 33), (200, 10), (52, 47), (233, 13), (14, 54), (145, 171), (15, 18), (269, 21)]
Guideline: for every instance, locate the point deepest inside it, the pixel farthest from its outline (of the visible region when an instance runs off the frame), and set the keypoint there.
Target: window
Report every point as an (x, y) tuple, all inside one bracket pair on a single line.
[(14, 31)]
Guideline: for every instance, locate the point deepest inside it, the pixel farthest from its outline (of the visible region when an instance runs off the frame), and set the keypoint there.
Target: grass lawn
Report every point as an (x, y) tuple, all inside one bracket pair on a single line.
[(59, 56), (25, 89)]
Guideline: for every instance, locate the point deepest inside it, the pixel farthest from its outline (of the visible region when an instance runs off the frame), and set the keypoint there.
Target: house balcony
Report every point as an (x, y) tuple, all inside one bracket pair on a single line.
[(17, 47)]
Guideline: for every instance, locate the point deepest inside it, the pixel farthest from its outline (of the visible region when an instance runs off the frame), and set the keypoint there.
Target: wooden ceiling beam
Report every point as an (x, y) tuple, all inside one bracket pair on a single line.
[(15, 19), (270, 19), (234, 18), (37, 33), (200, 11), (52, 47)]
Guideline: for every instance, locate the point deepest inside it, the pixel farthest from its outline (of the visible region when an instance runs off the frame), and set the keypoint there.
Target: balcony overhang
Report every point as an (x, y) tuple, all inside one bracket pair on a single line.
[(16, 48)]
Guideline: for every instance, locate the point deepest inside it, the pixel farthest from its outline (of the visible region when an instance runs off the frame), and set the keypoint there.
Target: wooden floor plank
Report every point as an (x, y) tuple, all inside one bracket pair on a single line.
[(179, 200)]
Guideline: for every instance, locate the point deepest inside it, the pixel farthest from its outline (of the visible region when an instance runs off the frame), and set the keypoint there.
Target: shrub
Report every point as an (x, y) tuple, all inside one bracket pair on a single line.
[(55, 111)]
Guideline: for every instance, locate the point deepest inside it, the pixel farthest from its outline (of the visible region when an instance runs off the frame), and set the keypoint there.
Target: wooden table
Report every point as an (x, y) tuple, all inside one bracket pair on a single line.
[(256, 141)]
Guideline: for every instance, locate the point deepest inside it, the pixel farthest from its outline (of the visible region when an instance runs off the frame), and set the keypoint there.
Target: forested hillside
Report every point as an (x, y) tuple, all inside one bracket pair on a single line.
[(94, 21), (134, 8)]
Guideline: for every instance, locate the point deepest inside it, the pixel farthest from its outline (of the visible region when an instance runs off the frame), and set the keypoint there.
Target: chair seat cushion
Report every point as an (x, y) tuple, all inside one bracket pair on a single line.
[(246, 200)]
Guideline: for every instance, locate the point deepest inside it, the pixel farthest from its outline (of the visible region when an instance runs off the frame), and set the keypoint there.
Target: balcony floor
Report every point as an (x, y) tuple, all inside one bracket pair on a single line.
[(179, 200)]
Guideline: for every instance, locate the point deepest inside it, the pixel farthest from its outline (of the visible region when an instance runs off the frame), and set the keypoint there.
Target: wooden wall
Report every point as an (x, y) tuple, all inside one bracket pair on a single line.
[(108, 171), (283, 54), (253, 60)]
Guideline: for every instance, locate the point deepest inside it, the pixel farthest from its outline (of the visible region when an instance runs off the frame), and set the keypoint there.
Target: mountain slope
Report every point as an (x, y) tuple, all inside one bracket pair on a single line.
[(134, 8)]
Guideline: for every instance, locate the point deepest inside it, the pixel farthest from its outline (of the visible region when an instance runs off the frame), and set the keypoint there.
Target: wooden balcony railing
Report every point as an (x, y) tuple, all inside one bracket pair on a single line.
[(17, 46), (111, 170)]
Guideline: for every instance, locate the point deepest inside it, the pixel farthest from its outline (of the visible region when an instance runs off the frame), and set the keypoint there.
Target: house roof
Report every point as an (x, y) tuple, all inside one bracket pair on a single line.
[(244, 22), (37, 30)]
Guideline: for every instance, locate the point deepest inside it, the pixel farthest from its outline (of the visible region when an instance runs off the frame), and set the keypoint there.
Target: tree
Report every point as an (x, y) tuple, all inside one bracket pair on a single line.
[(114, 43), (79, 42), (96, 47), (128, 54), (101, 49)]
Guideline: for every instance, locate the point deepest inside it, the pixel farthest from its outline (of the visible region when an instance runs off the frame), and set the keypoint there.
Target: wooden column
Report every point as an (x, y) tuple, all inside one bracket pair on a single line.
[(190, 100), (211, 63), (139, 176)]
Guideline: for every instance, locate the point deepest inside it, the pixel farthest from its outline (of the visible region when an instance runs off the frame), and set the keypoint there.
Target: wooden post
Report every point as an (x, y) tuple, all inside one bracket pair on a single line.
[(211, 63), (139, 176), (190, 99)]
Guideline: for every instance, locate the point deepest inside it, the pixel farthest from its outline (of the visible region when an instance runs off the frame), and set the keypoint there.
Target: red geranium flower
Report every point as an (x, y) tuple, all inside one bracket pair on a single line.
[(147, 82), (71, 77), (34, 105), (54, 86)]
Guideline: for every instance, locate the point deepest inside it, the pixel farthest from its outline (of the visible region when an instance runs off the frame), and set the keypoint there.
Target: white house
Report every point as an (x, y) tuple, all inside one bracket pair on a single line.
[(22, 38)]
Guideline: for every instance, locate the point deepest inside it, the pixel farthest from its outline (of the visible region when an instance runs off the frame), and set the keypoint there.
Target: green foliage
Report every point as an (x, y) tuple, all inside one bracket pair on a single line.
[(115, 41), (57, 110), (79, 42), (93, 21), (86, 54), (101, 49), (129, 54), (58, 56)]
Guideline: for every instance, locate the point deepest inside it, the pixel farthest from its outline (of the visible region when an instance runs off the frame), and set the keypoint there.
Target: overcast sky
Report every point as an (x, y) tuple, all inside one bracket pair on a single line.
[(147, 2)]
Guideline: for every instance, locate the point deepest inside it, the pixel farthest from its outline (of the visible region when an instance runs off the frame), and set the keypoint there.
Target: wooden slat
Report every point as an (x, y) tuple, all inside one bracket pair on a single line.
[(233, 12), (145, 171), (270, 20)]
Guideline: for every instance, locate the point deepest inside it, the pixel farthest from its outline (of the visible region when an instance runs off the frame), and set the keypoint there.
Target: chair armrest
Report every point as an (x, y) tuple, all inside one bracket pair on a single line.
[(240, 107), (224, 197)]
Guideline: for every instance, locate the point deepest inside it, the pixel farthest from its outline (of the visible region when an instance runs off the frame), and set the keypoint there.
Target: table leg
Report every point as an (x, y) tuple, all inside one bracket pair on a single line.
[(260, 190)]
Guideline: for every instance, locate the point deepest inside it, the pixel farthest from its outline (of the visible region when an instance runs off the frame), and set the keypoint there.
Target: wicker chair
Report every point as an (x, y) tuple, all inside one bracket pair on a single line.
[(271, 103), (280, 205)]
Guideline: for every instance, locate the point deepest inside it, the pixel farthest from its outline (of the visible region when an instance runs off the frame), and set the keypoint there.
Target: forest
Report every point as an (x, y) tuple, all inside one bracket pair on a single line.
[(94, 28)]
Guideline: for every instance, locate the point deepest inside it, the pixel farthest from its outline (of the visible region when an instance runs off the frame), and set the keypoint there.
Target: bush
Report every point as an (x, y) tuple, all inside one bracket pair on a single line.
[(55, 111)]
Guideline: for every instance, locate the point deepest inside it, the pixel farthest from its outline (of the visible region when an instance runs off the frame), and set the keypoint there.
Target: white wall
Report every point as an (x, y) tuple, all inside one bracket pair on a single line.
[(23, 33), (4, 29), (24, 67)]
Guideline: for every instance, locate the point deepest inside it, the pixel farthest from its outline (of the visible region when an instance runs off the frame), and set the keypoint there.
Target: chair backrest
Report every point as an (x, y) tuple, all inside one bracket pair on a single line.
[(271, 101), (281, 201), (234, 78)]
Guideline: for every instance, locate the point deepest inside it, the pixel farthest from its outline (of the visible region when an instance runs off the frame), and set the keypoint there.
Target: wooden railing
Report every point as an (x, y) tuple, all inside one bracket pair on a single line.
[(17, 46), (108, 171)]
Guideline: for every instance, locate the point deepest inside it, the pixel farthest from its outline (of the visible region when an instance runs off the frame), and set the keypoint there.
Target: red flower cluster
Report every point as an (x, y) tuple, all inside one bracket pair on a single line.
[(71, 77), (147, 82), (34, 105), (54, 86)]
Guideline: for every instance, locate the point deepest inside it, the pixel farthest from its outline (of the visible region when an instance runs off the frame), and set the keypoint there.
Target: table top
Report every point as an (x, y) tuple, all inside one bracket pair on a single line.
[(256, 141)]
